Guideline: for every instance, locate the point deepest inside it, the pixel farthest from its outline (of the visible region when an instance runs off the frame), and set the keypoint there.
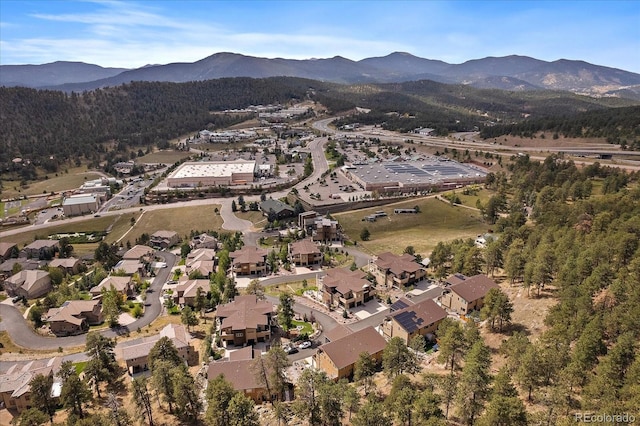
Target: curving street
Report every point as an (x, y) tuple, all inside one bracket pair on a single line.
[(23, 335)]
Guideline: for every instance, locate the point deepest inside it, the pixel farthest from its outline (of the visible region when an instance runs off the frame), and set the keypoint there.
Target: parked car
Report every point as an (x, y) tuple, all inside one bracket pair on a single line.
[(304, 345), (291, 350)]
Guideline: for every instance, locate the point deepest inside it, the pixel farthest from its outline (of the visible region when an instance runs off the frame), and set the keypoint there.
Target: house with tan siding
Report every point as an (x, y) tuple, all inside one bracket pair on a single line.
[(74, 317), (468, 294), (238, 371), (344, 288), (15, 391), (339, 357), (304, 253), (420, 319), (392, 270), (30, 284), (245, 321), (249, 260), (135, 353)]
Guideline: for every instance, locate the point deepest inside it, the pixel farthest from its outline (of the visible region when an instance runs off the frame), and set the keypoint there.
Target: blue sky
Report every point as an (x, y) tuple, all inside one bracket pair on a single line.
[(131, 34)]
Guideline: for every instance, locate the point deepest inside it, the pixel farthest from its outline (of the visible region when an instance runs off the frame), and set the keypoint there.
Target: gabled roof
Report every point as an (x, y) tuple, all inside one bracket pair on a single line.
[(304, 247), (140, 347), (238, 373), (201, 254), (474, 288), (64, 263), (38, 244), (345, 351), (275, 205), (137, 251), (248, 254), (415, 317), (345, 280), (119, 283), (397, 264), (71, 311), (337, 332), (164, 234), (129, 266), (17, 378), (244, 312), (189, 288), (5, 248), (26, 279)]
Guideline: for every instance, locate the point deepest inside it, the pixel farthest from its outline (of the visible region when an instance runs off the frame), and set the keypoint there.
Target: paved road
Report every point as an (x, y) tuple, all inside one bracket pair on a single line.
[(22, 334)]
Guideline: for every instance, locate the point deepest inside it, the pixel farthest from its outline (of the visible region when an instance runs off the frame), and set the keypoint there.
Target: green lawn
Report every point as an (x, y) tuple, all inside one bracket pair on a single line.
[(62, 182), (181, 220), (306, 327), (437, 221)]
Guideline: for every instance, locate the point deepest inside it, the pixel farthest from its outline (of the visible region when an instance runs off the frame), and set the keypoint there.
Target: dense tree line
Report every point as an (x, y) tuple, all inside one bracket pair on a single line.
[(583, 251), (617, 125)]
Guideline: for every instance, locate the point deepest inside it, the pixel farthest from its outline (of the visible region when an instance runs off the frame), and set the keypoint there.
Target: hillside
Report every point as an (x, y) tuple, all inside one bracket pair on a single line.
[(508, 73), (52, 129)]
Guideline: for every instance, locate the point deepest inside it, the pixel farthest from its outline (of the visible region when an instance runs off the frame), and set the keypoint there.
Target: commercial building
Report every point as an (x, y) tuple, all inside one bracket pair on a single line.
[(414, 176), (76, 205), (212, 173)]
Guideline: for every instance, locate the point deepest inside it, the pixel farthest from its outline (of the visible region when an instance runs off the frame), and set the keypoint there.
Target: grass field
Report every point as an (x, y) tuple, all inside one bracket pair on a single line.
[(62, 182), (91, 224), (257, 218), (437, 221), (166, 157), (470, 200), (181, 220)]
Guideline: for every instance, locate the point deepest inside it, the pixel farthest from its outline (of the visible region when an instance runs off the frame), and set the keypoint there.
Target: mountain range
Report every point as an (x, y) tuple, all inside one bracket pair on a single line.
[(506, 73)]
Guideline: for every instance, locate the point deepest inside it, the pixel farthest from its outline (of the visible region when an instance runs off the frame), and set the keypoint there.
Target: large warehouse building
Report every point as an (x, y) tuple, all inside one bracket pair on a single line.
[(212, 173), (76, 205), (411, 176)]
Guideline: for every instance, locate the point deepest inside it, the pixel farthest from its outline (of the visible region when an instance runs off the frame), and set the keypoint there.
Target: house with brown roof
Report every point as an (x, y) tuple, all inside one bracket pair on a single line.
[(468, 294), (201, 260), (339, 357), (249, 260), (74, 317), (344, 288), (69, 265), (421, 319), (164, 239), (245, 321), (326, 230), (135, 353), (122, 285), (30, 284), (130, 267), (204, 241), (337, 332), (7, 251), (238, 371), (41, 249), (185, 292), (8, 266), (392, 270), (304, 253), (15, 390), (138, 252)]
